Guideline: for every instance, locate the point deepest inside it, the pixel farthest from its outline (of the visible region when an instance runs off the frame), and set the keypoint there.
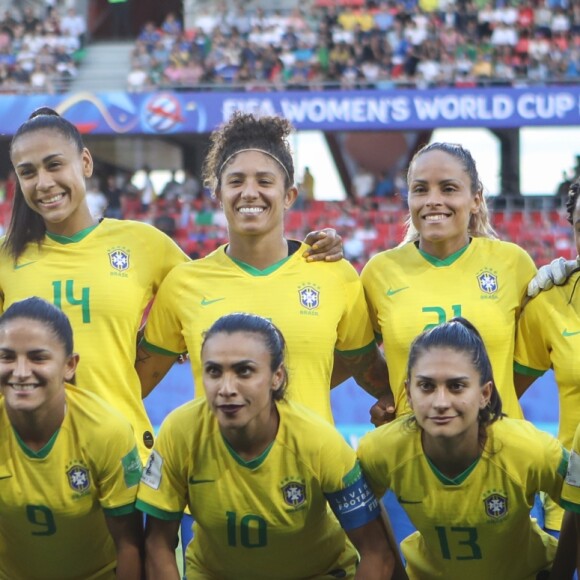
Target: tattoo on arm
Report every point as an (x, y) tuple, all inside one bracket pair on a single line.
[(369, 371)]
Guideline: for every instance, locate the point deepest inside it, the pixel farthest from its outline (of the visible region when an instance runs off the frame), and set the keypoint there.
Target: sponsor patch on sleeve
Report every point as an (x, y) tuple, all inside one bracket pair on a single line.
[(573, 473), (132, 467), (152, 472)]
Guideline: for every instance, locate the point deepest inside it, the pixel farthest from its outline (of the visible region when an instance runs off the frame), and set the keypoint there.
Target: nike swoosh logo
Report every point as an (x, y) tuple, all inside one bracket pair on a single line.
[(195, 481), (403, 501), (206, 302), (18, 266), (391, 292), (567, 333)]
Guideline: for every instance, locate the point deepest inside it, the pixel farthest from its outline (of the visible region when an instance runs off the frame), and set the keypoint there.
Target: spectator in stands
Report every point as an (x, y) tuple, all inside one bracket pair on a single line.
[(306, 186), (171, 26), (113, 193), (190, 188), (29, 19), (73, 24), (385, 186), (40, 79), (96, 199), (138, 79)]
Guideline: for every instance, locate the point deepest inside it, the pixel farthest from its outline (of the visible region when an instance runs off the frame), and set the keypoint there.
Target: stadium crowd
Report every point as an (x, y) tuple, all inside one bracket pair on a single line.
[(386, 44), (39, 53)]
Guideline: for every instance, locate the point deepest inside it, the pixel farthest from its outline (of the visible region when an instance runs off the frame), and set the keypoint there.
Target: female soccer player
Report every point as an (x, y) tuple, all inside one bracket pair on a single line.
[(465, 475), (102, 274), (449, 265), (258, 473), (320, 308), (549, 337), (69, 466)]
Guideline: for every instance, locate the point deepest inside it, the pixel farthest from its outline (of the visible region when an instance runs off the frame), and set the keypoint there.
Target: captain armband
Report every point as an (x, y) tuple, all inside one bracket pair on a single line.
[(356, 504)]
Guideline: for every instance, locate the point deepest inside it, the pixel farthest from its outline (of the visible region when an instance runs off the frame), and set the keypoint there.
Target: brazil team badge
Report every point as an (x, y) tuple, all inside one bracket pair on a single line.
[(487, 280), (119, 259), (309, 297), (78, 478), (294, 493), (496, 505)]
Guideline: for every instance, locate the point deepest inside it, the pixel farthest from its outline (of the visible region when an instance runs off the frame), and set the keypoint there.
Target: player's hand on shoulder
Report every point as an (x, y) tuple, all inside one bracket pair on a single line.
[(555, 273), (383, 411), (326, 245)]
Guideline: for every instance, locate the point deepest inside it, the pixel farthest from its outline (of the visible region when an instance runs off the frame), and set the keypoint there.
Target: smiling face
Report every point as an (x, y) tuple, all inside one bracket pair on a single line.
[(446, 395), (33, 366), (51, 173), (239, 381), (441, 202), (254, 195)]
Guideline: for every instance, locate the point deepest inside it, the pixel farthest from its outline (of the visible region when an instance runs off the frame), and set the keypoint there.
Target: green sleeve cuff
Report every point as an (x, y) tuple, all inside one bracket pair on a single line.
[(528, 371), (124, 510), (570, 507), (368, 348), (156, 512), (157, 349)]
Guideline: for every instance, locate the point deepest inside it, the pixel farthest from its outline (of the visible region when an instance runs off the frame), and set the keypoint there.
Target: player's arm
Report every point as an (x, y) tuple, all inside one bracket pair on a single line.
[(364, 526), (568, 552), (377, 561), (160, 544), (325, 245), (369, 370), (151, 367), (127, 534), (522, 382)]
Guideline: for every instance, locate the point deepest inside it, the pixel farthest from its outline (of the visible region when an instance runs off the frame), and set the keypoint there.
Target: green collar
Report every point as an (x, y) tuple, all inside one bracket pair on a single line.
[(255, 271), (438, 263), (42, 453), (74, 238), (253, 463), (458, 480)]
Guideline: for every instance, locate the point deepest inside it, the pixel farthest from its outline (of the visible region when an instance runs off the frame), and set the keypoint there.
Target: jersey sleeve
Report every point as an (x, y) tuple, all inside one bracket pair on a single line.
[(119, 469), (548, 465), (166, 255), (532, 347), (344, 485), (367, 278), (163, 488), (570, 498), (371, 455), (163, 331), (355, 332)]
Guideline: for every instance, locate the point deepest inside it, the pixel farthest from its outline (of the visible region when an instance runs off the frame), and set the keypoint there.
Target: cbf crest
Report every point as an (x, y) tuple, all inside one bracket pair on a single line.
[(496, 505), (487, 280), (309, 296), (294, 493), (119, 259), (78, 478)]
